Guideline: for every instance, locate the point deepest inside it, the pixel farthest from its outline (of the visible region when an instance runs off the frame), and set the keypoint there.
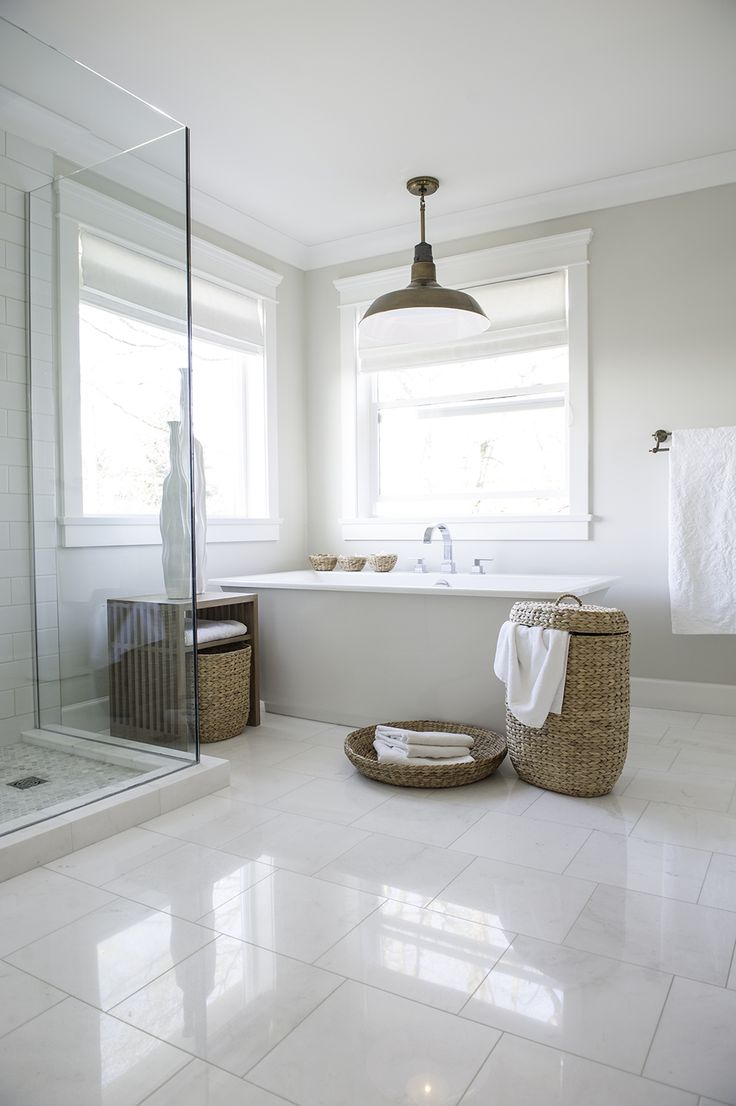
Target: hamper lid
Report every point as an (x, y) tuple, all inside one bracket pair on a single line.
[(568, 612)]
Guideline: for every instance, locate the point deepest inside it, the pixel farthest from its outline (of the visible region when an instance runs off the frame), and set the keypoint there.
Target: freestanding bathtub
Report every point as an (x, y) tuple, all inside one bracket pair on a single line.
[(361, 647)]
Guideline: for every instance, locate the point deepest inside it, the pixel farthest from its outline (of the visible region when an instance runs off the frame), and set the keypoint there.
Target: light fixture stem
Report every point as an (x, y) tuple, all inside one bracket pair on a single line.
[(421, 216)]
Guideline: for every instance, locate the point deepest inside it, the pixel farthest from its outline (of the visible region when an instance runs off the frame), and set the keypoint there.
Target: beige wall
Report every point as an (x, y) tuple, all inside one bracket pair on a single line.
[(662, 354)]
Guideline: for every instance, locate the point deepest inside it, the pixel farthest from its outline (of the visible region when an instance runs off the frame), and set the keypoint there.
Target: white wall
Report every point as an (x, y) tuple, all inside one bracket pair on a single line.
[(662, 354)]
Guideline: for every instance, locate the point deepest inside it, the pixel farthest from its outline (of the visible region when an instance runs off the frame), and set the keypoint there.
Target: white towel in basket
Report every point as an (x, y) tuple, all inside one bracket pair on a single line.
[(391, 754), (394, 735), (532, 662)]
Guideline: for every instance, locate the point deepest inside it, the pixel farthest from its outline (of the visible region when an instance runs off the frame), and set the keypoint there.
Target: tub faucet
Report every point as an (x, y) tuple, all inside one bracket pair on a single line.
[(448, 565)]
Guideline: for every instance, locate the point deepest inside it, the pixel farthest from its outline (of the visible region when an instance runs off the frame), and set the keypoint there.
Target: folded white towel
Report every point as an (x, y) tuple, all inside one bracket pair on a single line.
[(532, 662), (702, 531), (390, 754), (432, 752), (424, 737), (209, 630)]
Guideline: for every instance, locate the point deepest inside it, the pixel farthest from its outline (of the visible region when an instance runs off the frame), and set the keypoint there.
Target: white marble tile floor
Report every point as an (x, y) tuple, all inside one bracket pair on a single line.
[(306, 937)]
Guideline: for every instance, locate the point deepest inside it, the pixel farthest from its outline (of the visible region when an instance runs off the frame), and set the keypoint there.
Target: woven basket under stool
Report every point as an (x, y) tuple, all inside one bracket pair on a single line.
[(224, 692), (582, 750)]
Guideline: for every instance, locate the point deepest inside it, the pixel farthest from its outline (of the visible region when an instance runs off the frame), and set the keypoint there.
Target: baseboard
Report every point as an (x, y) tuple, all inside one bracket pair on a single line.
[(317, 714), (683, 695)]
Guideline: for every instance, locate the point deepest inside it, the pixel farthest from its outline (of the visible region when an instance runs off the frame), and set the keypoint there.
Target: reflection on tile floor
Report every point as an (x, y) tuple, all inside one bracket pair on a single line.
[(307, 937)]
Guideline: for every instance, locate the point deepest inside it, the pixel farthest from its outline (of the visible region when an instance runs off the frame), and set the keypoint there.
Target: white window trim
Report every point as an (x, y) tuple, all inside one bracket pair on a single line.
[(83, 207), (540, 255)]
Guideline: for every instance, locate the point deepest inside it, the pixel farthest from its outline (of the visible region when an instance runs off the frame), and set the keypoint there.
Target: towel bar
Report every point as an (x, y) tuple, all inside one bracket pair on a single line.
[(661, 436)]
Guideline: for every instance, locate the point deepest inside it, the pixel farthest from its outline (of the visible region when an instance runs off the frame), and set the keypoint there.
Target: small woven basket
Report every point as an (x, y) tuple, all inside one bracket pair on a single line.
[(382, 562), (582, 750), (224, 692), (487, 752), (323, 562), (351, 564)]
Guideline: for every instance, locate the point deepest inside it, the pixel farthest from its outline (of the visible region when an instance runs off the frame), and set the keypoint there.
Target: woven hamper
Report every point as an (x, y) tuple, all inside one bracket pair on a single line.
[(582, 750), (224, 692)]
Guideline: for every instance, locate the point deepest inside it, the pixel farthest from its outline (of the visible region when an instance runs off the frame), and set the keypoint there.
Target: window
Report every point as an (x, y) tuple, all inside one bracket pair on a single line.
[(127, 315), (489, 433)]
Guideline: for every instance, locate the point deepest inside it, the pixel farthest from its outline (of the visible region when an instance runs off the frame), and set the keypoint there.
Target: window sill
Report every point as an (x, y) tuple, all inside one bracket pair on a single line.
[(102, 530), (527, 528)]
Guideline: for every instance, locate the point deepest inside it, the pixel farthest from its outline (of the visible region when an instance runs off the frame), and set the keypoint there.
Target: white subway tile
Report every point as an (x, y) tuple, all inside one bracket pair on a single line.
[(18, 429), (45, 562), (6, 647), (5, 593), (20, 535), (17, 367), (15, 201), (12, 339), (11, 283), (13, 451), (40, 264), (16, 619), (15, 674), (20, 590), (13, 396), (4, 535), (46, 615), (18, 480), (42, 400), (4, 478), (12, 728), (41, 292), (22, 646), (48, 642), (15, 562), (24, 699), (12, 228), (7, 704), (15, 313), (13, 508), (15, 259)]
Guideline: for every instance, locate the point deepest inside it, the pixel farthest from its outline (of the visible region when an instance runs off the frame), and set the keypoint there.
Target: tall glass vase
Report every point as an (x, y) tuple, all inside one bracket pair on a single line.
[(175, 520)]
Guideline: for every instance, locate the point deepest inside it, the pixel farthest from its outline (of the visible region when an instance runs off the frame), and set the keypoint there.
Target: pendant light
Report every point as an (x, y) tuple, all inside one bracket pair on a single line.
[(423, 311)]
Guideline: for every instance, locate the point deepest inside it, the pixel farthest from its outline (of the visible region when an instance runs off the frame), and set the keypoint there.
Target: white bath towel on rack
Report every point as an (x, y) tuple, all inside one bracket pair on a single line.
[(702, 531)]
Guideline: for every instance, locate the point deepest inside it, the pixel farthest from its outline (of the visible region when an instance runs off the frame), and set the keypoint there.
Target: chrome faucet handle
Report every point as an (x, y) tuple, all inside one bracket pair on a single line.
[(478, 565)]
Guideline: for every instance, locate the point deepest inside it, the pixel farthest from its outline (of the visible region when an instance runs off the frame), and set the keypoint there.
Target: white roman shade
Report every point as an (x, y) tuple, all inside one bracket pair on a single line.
[(527, 313), (123, 274)]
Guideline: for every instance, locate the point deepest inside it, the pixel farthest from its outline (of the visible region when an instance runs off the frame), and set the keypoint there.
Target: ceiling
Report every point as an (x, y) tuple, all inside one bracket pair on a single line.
[(307, 116)]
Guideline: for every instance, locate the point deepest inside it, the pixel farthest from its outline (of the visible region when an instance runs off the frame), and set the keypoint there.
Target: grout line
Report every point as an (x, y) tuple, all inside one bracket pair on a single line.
[(301, 1021), (579, 850), (166, 1082), (705, 876), (656, 1028), (480, 1067), (63, 996)]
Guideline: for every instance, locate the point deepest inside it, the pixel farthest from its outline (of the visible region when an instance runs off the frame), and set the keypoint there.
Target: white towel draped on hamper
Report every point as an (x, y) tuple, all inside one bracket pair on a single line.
[(702, 531), (532, 662)]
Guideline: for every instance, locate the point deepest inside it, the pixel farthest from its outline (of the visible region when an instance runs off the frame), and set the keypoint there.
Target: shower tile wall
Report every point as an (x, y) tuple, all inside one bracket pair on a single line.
[(23, 167)]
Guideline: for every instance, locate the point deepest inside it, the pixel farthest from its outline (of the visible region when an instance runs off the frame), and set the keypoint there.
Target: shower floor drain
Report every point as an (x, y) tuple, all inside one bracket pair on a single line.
[(26, 782)]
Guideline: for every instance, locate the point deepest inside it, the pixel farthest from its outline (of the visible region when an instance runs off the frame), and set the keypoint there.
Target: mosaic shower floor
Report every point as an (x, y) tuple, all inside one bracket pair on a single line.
[(68, 777)]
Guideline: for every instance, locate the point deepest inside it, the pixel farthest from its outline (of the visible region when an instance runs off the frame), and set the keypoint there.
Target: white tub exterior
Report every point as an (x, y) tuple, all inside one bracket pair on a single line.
[(356, 648)]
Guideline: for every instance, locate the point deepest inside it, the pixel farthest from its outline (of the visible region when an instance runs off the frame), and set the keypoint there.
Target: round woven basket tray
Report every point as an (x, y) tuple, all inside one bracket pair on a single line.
[(487, 752)]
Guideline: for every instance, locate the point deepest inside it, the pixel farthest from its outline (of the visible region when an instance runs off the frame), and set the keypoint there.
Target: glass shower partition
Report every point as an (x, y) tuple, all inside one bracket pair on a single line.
[(111, 460)]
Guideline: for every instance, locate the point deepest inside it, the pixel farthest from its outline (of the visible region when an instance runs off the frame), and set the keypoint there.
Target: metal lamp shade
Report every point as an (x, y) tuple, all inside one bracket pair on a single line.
[(423, 313)]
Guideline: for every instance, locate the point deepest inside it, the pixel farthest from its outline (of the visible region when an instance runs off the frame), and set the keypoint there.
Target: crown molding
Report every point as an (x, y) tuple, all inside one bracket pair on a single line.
[(629, 188)]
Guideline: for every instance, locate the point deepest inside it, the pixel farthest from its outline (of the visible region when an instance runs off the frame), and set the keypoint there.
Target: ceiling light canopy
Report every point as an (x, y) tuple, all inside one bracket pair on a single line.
[(423, 311)]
